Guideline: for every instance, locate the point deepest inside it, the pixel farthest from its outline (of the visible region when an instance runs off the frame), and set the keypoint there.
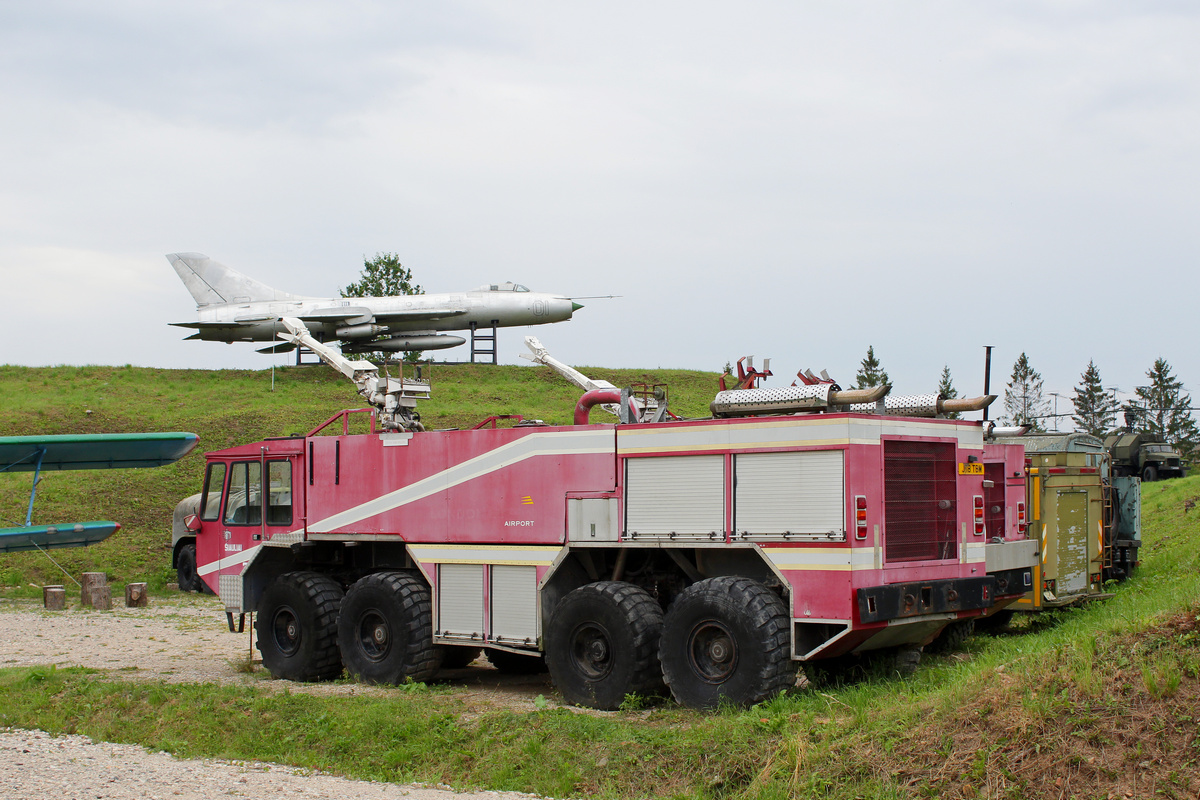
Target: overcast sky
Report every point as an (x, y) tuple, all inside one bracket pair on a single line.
[(793, 180)]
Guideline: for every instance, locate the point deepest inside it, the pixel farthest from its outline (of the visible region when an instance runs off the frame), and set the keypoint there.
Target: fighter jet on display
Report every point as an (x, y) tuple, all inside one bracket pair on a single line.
[(232, 307)]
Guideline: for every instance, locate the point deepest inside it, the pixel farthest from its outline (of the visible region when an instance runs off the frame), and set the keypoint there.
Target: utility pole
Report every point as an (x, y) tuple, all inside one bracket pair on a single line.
[(987, 375)]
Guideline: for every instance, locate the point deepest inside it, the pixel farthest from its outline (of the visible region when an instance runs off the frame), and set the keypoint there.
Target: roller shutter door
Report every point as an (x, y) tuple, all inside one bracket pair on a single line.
[(514, 604), (460, 600), (681, 495), (790, 495)]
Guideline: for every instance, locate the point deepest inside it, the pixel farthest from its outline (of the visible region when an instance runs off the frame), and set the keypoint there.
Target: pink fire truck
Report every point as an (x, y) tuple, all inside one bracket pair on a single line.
[(712, 556)]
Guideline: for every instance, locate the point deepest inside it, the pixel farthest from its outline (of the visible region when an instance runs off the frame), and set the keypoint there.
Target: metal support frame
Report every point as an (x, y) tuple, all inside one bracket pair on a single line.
[(37, 477), (484, 344)]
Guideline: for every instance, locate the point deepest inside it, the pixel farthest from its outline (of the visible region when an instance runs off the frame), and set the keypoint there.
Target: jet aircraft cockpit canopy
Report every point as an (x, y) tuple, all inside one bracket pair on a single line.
[(507, 286)]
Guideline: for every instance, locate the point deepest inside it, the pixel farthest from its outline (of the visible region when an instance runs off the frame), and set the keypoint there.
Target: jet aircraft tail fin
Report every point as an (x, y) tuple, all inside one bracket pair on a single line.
[(213, 283)]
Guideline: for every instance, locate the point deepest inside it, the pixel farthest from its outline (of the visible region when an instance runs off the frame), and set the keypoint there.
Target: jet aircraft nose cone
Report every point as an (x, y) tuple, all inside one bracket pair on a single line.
[(575, 306)]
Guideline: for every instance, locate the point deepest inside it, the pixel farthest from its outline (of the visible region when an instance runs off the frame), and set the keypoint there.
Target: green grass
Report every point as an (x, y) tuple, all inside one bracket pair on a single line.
[(1087, 702)]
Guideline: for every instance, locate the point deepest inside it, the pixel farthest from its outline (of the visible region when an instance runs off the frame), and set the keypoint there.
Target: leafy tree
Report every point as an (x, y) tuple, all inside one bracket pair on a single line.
[(1023, 400), (871, 373), (1168, 410), (946, 389), (384, 276), (1095, 408)]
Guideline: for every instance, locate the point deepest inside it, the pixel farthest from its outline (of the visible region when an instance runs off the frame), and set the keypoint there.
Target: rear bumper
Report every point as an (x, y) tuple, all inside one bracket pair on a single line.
[(1013, 582), (901, 600)]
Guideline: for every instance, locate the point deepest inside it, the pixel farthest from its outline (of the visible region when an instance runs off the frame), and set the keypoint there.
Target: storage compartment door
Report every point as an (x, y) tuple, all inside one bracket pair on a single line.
[(1071, 522), (514, 605), (675, 497), (797, 495), (460, 601)]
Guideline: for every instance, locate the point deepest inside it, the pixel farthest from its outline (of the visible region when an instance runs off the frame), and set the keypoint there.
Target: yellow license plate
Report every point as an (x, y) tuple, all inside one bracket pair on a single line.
[(970, 468)]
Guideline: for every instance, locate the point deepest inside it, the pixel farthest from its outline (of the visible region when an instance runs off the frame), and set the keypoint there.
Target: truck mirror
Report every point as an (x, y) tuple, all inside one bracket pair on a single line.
[(192, 523)]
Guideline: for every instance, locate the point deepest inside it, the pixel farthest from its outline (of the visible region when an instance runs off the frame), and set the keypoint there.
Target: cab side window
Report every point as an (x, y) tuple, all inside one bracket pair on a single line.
[(279, 493), (243, 505), (210, 501)]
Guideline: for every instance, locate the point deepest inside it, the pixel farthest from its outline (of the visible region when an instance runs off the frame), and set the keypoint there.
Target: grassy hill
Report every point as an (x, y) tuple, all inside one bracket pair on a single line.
[(1097, 701), (228, 407)]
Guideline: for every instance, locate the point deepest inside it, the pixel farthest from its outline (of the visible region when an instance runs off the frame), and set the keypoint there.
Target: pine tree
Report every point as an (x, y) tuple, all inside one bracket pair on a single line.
[(871, 373), (946, 389), (1095, 408), (384, 276), (1168, 410), (1023, 400)]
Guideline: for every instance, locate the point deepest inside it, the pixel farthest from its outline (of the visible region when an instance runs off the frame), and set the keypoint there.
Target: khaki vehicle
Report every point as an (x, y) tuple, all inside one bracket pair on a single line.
[(1085, 520), (1145, 455)]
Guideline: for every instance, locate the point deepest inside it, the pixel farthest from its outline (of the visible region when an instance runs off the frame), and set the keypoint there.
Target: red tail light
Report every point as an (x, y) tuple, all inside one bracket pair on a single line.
[(860, 516), (978, 515), (1021, 523)]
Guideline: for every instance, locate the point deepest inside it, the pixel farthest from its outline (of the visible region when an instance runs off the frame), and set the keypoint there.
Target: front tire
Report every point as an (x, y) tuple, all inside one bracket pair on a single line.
[(185, 571), (385, 629), (602, 644), (726, 640), (297, 627), (1149, 474)]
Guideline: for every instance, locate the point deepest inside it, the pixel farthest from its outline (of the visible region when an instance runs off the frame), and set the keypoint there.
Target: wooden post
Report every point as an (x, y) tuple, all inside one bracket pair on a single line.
[(102, 597), (135, 595), (54, 598), (90, 581)]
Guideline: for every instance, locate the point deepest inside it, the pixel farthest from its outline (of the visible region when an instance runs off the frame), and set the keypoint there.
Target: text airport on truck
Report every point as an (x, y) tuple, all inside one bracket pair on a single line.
[(797, 525)]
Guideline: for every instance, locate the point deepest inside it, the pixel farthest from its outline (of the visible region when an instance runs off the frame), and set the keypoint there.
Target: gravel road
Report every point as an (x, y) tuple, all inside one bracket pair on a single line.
[(35, 765), (181, 639)]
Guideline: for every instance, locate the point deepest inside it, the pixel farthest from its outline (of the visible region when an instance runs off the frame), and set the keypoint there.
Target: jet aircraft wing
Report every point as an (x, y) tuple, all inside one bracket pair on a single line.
[(93, 451), (50, 537)]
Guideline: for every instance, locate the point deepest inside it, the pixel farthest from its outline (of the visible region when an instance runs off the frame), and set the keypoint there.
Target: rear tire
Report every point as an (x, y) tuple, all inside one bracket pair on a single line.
[(297, 627), (826, 673), (952, 637), (517, 663), (993, 623), (385, 629), (907, 659), (602, 644), (726, 640)]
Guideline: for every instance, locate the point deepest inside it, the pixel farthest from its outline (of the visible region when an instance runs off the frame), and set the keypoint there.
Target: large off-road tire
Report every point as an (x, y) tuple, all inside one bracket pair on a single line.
[(516, 663), (952, 637), (906, 660), (297, 627), (993, 623), (456, 657), (1149, 474), (726, 640), (837, 671), (185, 569), (385, 629), (602, 644)]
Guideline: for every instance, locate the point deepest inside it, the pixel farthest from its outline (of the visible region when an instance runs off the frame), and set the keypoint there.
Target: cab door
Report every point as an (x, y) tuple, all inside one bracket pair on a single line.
[(280, 515)]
